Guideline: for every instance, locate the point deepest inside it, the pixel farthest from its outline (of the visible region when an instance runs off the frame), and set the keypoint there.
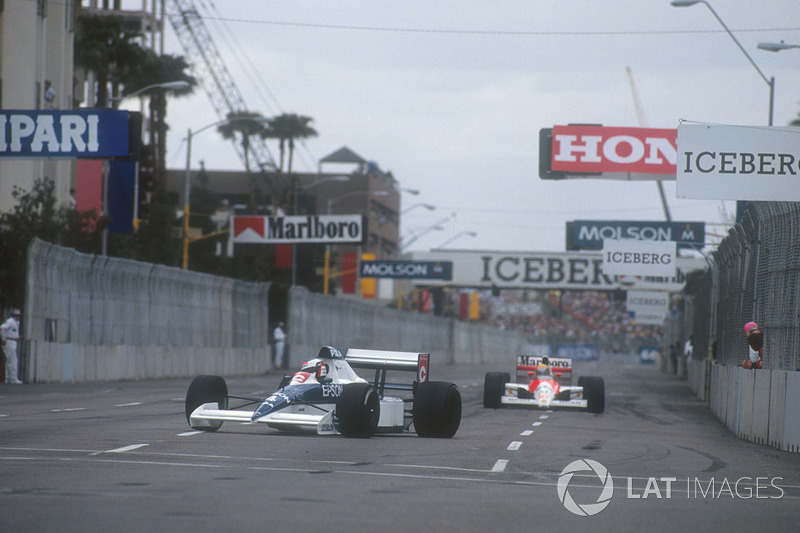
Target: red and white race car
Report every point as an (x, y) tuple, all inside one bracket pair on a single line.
[(544, 382)]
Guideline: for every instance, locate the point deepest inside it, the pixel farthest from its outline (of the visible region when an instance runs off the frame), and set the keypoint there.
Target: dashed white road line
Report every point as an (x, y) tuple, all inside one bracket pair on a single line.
[(190, 433), (526, 433), (500, 465), (127, 448), (132, 404), (537, 424), (68, 409), (514, 446), (544, 417)]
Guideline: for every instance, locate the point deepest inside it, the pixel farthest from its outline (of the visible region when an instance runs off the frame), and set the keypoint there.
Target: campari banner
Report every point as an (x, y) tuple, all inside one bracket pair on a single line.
[(84, 133)]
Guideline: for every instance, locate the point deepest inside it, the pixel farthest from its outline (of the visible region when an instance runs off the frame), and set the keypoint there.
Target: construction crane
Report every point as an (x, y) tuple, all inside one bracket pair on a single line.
[(642, 122), (213, 75)]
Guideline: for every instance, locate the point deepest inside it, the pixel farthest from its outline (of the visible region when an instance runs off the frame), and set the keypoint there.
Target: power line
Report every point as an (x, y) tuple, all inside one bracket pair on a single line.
[(511, 33)]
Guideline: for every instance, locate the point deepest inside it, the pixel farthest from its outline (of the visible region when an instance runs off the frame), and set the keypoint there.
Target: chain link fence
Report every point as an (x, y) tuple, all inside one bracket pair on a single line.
[(92, 300), (756, 276)]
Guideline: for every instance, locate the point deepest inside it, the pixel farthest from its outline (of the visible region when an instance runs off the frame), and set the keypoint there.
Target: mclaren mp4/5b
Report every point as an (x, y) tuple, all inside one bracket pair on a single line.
[(327, 397), (544, 382)]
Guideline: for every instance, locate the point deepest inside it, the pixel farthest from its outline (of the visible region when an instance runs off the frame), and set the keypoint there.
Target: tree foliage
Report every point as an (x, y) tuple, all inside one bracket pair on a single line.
[(37, 215)]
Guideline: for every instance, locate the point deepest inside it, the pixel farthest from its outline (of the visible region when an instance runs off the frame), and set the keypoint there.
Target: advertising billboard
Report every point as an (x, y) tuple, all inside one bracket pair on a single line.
[(84, 133), (442, 270), (595, 151), (330, 229), (750, 163), (589, 234)]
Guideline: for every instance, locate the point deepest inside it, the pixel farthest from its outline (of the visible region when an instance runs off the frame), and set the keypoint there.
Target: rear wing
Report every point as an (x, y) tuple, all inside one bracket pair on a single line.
[(560, 366), (383, 361)]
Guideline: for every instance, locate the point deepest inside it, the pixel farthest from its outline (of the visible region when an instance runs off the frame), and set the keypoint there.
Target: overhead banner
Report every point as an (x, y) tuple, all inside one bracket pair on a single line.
[(589, 234), (594, 151), (442, 270), (85, 133), (549, 270), (648, 307), (721, 162), (639, 258), (331, 229)]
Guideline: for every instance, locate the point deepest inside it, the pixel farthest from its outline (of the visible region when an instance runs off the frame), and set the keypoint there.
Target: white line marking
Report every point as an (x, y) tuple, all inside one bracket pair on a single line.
[(526, 433), (127, 448), (128, 404), (500, 465), (544, 417), (69, 409), (514, 446), (537, 424), (190, 433)]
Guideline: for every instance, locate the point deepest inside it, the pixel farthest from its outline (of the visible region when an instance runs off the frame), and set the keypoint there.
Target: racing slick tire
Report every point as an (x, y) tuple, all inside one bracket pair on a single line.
[(595, 392), (206, 389), (358, 411), (493, 386), (437, 409)]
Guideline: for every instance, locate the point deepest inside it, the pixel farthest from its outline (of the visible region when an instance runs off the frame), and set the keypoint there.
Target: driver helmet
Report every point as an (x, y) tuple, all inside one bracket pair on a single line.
[(329, 352), (310, 365)]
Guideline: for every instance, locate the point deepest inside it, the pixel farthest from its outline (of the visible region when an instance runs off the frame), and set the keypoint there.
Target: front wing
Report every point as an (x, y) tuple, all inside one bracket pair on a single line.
[(511, 397), (317, 418)]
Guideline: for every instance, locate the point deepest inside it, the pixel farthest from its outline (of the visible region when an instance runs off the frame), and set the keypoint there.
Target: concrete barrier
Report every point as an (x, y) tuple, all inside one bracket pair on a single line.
[(791, 421)]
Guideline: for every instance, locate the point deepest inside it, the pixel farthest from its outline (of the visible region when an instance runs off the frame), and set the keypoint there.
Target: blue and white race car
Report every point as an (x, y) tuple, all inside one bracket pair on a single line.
[(327, 397)]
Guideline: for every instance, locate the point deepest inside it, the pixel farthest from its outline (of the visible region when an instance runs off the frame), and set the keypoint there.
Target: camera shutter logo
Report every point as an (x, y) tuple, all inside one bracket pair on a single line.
[(587, 509)]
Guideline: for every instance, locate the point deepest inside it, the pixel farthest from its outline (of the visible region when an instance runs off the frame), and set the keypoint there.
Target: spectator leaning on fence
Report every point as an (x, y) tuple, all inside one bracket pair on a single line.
[(755, 342)]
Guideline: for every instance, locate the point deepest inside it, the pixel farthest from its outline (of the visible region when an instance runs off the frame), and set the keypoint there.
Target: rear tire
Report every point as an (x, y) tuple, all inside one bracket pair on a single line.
[(358, 411), (206, 389), (594, 389), (493, 386), (437, 409)]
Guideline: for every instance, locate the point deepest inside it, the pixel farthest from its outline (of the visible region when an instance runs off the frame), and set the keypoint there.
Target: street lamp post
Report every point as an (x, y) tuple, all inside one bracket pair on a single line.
[(187, 179), (297, 190), (769, 81), (777, 47), (330, 202), (448, 241), (168, 85)]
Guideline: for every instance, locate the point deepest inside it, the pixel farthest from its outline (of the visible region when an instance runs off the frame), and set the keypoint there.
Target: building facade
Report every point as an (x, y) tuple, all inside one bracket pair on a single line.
[(36, 72)]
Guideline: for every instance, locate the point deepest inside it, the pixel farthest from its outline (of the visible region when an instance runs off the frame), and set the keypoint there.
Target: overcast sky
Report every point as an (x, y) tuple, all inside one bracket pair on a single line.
[(450, 96)]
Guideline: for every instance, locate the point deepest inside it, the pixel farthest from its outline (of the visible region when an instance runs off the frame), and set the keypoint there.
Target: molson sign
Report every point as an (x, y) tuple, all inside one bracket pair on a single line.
[(589, 234), (607, 152)]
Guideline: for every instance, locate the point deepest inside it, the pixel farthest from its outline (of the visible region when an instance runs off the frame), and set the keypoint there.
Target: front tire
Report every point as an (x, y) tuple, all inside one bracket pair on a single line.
[(493, 386), (437, 409), (358, 411), (206, 389), (594, 389)]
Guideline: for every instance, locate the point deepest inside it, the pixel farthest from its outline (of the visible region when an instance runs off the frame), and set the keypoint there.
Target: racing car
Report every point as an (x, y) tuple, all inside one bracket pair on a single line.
[(327, 397), (544, 382)]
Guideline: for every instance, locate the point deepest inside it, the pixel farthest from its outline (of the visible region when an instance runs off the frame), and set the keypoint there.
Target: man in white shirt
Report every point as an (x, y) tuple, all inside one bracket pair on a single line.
[(9, 334)]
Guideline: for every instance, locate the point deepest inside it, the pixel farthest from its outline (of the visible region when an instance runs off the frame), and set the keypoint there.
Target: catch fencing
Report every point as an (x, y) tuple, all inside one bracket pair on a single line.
[(92, 318), (83, 311), (754, 276)]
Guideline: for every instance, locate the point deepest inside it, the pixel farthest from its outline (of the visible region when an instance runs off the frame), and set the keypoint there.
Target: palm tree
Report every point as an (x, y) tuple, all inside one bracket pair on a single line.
[(153, 69), (241, 126), (286, 128), (104, 46)]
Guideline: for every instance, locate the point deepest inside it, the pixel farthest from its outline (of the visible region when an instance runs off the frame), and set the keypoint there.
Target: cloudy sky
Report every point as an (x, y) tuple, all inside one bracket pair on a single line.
[(450, 96)]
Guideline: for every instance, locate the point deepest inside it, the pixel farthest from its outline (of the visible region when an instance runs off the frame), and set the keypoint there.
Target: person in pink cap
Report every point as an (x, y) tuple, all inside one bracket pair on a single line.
[(755, 341)]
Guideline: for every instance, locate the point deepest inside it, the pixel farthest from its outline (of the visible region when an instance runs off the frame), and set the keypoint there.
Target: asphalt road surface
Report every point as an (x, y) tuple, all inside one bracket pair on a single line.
[(121, 457)]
